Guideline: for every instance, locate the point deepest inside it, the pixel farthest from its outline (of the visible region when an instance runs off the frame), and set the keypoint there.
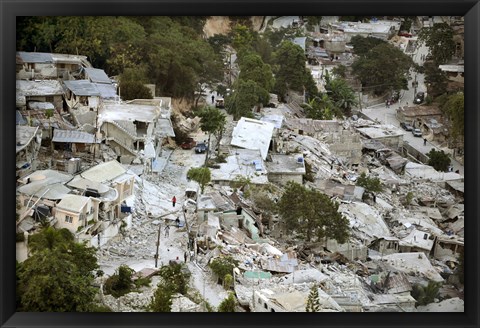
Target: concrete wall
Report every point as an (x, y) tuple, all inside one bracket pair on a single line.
[(284, 178), (347, 145), (407, 149), (350, 251), (88, 211)]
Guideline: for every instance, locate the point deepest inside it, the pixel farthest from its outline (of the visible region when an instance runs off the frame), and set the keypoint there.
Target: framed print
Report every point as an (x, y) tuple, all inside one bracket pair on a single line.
[(194, 163)]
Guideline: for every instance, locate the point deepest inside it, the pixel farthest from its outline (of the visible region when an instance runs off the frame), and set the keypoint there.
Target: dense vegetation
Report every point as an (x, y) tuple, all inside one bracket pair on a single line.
[(312, 214), (58, 276), (167, 51)]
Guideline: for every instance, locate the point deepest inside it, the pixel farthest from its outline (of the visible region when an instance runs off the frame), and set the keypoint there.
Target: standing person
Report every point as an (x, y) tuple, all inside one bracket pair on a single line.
[(185, 255), (213, 98), (167, 230), (424, 141), (174, 200)]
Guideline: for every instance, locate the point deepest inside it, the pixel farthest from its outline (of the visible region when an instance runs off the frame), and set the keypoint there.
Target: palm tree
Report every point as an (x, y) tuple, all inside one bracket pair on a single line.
[(342, 95)]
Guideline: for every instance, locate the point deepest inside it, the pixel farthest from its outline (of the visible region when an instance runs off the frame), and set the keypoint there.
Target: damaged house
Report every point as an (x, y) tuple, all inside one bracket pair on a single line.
[(49, 66), (126, 127), (343, 143), (253, 134), (28, 140), (388, 135), (241, 163), (75, 212), (283, 168), (40, 91)]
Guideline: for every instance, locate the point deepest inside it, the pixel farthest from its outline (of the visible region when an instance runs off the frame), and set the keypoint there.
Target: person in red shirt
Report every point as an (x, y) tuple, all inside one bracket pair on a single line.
[(174, 200)]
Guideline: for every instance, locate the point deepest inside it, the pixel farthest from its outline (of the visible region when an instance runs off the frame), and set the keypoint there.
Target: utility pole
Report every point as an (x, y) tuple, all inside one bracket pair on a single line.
[(158, 245)]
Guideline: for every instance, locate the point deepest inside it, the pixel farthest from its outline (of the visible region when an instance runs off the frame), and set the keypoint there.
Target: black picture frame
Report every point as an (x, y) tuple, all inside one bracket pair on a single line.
[(10, 9)]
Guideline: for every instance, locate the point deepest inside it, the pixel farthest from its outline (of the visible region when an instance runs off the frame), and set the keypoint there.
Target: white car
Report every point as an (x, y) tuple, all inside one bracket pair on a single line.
[(417, 132)]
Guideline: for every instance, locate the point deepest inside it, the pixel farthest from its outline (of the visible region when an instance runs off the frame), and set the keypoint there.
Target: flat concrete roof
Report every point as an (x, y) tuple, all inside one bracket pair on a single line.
[(104, 172), (113, 111), (73, 203)]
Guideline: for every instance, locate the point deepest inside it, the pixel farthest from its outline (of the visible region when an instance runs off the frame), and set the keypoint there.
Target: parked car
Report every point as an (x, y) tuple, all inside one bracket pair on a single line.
[(406, 126), (419, 98), (417, 132), (201, 147), (220, 103), (189, 143)]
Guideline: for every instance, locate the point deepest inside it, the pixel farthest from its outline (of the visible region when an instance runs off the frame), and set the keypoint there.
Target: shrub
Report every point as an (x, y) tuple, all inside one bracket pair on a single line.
[(370, 184), (228, 304), (222, 266), (439, 160), (120, 283)]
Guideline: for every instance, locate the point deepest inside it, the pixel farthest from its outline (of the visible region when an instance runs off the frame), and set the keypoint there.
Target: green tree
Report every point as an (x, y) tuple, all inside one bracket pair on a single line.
[(362, 45), (321, 108), (439, 40), (228, 304), (247, 94), (454, 109), (223, 265), (119, 283), (212, 121), (313, 301), (340, 71), (312, 214), (312, 21), (162, 299), (174, 279), (227, 281), (243, 37), (291, 72), (438, 159), (253, 68), (372, 185), (132, 84), (342, 95), (58, 276), (218, 42), (200, 174), (425, 294), (435, 79), (383, 68)]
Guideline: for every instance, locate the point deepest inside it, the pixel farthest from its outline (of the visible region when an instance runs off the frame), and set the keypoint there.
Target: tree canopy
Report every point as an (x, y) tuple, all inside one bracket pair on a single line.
[(58, 276), (212, 121), (454, 108), (247, 94), (439, 40), (438, 159), (201, 175), (291, 72), (312, 214), (362, 45), (383, 68), (176, 56)]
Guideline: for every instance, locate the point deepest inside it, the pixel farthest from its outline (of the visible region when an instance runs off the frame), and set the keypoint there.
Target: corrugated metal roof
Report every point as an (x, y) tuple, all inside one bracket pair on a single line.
[(35, 57), (97, 75), (107, 91), (82, 88), (73, 136)]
